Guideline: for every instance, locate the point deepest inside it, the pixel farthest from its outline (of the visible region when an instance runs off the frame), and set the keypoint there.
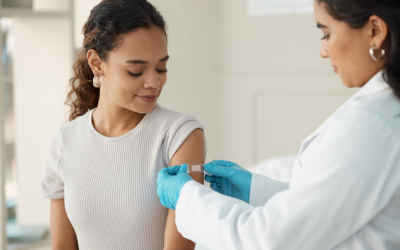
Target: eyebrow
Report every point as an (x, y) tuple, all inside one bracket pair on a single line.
[(321, 26), (145, 62)]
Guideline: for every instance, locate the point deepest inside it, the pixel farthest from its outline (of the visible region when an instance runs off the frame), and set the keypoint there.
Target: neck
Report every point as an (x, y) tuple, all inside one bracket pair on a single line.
[(112, 120)]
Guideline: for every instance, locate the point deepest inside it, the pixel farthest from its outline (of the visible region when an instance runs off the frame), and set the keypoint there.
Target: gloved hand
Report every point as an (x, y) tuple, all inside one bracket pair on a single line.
[(229, 179), (170, 182)]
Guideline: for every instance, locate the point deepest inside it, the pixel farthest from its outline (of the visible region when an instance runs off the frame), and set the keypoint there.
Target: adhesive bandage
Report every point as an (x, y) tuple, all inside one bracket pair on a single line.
[(199, 168)]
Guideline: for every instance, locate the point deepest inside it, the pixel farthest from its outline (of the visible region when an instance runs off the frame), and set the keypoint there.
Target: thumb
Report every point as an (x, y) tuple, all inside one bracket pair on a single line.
[(183, 169), (173, 170), (162, 175), (215, 170)]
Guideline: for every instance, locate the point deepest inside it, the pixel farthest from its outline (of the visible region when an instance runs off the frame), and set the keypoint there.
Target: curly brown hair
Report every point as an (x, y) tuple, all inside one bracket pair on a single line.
[(107, 22)]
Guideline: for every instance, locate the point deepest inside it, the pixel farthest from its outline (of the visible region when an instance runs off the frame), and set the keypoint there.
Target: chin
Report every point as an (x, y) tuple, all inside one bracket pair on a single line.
[(143, 109), (346, 82), (348, 85)]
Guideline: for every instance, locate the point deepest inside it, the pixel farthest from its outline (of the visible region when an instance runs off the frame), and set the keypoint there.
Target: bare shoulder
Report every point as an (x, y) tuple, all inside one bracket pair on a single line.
[(192, 150)]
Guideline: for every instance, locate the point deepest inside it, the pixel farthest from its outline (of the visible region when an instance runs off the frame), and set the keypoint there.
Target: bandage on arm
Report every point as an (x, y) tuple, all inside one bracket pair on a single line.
[(196, 168)]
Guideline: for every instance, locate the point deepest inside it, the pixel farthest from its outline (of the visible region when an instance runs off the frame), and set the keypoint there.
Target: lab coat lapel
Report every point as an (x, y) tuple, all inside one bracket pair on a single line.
[(376, 83), (307, 142)]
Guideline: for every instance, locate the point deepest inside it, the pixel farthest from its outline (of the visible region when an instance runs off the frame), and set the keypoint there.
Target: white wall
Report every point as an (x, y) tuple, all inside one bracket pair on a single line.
[(42, 62), (50, 5), (269, 64), (81, 13)]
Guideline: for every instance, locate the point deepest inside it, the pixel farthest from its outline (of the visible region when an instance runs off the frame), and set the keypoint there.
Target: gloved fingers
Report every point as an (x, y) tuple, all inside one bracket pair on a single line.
[(163, 172), (223, 163), (183, 169), (208, 178), (214, 186), (173, 170), (215, 179), (215, 169)]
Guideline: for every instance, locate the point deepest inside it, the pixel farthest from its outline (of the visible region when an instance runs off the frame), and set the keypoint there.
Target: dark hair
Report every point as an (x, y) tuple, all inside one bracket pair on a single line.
[(356, 14), (107, 22)]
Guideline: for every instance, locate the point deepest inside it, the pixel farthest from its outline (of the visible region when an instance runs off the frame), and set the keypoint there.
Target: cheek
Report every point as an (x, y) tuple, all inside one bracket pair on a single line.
[(348, 55), (338, 51), (128, 84), (163, 80), (122, 88)]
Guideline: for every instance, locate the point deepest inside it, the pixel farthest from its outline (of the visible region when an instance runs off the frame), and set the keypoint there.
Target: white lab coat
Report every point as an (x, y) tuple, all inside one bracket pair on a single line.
[(344, 192)]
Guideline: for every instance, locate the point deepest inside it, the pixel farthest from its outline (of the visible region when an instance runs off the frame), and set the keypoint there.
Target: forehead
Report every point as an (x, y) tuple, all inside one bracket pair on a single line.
[(320, 12), (323, 17), (144, 44)]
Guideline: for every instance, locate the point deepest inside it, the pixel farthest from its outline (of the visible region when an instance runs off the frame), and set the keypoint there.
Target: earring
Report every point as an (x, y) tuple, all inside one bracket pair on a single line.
[(371, 52), (96, 82)]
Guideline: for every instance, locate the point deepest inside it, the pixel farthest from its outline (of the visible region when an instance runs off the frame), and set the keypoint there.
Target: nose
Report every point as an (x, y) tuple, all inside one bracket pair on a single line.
[(152, 81), (323, 51)]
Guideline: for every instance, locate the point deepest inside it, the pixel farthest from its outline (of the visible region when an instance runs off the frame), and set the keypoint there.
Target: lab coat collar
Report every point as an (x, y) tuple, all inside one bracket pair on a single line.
[(374, 85)]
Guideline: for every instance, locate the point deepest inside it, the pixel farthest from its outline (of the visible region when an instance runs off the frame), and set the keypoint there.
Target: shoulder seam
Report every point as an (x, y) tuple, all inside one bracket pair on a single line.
[(385, 101), (380, 118), (167, 131)]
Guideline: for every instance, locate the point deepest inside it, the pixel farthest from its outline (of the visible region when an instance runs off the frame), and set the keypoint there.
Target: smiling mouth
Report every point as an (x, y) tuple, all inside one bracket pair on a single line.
[(147, 98)]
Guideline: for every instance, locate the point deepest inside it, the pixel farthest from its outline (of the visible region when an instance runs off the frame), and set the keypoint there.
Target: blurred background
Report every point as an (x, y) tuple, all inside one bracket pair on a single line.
[(249, 70)]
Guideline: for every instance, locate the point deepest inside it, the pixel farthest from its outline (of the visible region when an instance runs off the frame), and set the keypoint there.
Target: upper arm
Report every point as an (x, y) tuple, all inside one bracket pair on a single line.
[(62, 232), (192, 151)]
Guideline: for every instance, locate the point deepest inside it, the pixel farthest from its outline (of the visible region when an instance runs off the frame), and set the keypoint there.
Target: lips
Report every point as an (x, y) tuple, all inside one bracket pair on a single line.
[(147, 98)]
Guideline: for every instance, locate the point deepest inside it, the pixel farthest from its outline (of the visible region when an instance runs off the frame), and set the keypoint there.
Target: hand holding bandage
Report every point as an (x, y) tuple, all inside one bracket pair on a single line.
[(170, 182), (229, 179)]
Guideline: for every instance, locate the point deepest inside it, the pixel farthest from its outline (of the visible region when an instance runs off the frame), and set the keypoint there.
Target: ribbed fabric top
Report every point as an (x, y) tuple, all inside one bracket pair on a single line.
[(109, 184)]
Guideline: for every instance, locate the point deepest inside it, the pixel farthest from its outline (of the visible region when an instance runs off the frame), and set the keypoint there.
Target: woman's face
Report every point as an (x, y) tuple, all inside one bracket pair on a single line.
[(135, 72), (348, 48)]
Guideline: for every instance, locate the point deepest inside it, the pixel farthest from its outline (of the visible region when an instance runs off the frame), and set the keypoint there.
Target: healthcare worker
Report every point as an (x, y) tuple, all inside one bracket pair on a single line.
[(345, 188)]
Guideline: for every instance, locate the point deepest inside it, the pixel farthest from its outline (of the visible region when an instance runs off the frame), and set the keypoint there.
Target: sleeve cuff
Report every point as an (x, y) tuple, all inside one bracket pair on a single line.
[(178, 133), (263, 188), (185, 192), (183, 209)]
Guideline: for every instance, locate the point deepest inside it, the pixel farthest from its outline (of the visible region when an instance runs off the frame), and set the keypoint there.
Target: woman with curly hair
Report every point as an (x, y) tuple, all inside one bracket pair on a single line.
[(102, 166)]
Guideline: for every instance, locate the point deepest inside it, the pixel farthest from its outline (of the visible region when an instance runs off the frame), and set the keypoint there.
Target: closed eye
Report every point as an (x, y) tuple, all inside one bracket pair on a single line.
[(325, 37), (162, 71), (133, 74)]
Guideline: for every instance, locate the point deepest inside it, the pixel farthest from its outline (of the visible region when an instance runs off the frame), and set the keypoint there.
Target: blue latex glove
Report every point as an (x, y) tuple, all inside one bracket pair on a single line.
[(170, 182), (229, 179)]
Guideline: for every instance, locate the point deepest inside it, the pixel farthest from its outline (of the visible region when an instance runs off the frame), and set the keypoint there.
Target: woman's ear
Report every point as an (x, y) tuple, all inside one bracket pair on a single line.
[(379, 32), (95, 62)]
